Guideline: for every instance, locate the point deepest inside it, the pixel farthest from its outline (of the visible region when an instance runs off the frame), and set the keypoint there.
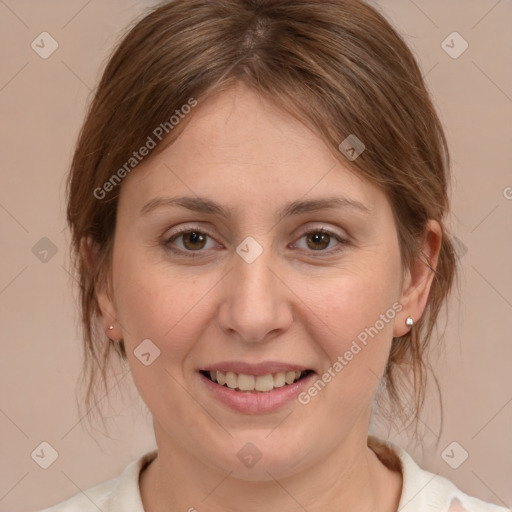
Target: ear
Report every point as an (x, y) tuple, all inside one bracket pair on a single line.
[(418, 280), (103, 289)]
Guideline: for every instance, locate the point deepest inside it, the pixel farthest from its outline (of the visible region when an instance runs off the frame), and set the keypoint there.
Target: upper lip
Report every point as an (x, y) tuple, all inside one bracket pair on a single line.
[(262, 368)]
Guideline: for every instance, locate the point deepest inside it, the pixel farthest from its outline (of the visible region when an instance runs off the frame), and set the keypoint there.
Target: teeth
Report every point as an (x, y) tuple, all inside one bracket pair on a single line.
[(231, 380), (279, 380), (290, 377), (263, 382), (244, 382)]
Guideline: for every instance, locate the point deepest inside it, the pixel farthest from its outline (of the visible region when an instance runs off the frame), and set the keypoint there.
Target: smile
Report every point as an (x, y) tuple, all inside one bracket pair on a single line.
[(255, 388), (255, 383)]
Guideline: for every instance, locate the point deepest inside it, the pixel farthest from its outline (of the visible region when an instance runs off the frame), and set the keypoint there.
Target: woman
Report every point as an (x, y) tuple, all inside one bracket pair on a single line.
[(256, 201)]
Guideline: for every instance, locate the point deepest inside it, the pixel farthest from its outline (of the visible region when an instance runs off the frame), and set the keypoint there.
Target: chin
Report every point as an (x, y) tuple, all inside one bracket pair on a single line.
[(257, 458)]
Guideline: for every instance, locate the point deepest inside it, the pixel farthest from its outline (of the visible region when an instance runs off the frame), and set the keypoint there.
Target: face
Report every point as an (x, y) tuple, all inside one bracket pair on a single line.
[(257, 275)]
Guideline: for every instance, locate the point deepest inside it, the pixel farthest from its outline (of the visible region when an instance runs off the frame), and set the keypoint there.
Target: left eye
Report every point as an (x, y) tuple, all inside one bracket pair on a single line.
[(320, 239)]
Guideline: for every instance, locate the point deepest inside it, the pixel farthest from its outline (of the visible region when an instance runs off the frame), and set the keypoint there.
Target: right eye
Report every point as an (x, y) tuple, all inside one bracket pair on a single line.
[(193, 240)]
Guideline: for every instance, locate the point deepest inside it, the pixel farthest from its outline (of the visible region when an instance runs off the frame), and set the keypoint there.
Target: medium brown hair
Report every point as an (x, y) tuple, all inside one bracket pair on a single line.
[(337, 66)]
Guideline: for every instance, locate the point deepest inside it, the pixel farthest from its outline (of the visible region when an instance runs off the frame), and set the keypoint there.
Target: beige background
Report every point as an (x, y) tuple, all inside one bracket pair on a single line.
[(42, 105)]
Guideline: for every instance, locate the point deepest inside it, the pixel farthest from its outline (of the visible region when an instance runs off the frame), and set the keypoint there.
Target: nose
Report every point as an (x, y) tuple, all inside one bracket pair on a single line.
[(256, 305)]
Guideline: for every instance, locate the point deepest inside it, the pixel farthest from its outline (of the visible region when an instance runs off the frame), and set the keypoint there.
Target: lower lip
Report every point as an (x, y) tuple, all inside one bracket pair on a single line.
[(257, 402)]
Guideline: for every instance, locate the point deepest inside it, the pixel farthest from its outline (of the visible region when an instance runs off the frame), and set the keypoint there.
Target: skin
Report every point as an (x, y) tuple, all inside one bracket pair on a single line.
[(291, 304)]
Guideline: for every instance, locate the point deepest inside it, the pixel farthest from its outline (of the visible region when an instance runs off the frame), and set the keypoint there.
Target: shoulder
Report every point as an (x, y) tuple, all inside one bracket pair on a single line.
[(423, 491), (121, 493), (90, 500)]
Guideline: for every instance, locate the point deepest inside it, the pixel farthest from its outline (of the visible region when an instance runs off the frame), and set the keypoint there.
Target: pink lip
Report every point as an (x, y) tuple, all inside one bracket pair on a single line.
[(255, 402), (254, 368)]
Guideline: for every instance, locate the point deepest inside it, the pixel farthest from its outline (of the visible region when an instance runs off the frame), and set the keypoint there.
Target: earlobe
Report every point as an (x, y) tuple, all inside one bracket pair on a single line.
[(417, 285), (103, 289), (108, 312)]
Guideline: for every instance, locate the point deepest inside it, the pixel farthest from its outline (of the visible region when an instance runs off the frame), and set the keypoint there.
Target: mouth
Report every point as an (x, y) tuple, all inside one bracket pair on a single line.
[(246, 383), (255, 387)]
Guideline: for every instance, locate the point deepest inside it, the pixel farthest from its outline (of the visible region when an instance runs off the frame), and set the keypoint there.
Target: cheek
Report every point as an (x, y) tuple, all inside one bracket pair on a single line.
[(165, 307), (352, 301), (157, 302), (357, 310)]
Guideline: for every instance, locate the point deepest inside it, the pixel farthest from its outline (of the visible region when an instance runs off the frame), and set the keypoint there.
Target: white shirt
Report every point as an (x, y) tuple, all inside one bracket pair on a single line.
[(422, 491)]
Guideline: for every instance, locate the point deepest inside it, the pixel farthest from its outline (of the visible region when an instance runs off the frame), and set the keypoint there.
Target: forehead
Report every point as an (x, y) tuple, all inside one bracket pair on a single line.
[(239, 146)]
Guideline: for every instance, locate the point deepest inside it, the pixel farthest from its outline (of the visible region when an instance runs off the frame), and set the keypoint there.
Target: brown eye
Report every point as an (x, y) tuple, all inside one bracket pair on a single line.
[(322, 241), (193, 240), (318, 240)]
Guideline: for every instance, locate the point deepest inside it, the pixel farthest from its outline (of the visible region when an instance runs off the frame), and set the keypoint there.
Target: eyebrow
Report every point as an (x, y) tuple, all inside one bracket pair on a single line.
[(203, 205)]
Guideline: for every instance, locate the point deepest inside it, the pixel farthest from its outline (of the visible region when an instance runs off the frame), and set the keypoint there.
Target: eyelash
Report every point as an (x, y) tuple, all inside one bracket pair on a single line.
[(190, 254)]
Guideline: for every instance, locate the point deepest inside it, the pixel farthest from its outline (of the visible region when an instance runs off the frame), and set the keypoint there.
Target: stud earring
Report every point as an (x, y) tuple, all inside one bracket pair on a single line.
[(409, 321), (110, 327)]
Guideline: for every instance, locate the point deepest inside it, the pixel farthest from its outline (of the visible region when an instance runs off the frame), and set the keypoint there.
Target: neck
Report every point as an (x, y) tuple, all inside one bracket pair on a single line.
[(352, 479)]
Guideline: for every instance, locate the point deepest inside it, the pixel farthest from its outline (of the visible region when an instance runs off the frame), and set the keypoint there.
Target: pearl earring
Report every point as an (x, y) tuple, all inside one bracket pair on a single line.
[(110, 327), (409, 321)]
